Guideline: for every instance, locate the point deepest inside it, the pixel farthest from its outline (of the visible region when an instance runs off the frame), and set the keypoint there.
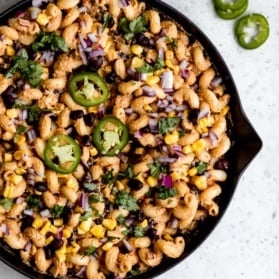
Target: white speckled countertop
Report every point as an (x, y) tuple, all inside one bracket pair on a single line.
[(245, 244)]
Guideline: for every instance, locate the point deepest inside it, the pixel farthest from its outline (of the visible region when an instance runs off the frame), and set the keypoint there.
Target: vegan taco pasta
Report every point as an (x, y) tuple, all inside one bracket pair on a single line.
[(113, 130)]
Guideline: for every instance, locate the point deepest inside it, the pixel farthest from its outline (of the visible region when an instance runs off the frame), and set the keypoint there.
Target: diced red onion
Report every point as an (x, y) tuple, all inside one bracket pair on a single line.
[(124, 3), (161, 40), (181, 107), (39, 3), (174, 223), (96, 53), (138, 134), (213, 138), (161, 53), (167, 159), (123, 158), (165, 149), (203, 113), (20, 200), (162, 103), (216, 81), (171, 107), (4, 229), (167, 80), (83, 24), (153, 114), (83, 9), (31, 135), (82, 55), (101, 111), (34, 13), (45, 213), (83, 201), (166, 180), (127, 245), (104, 240), (28, 246), (23, 115), (92, 37), (143, 76), (176, 147), (82, 41), (28, 212), (153, 124), (47, 57), (185, 73), (163, 32), (129, 110), (183, 65), (81, 271), (149, 91), (60, 233)]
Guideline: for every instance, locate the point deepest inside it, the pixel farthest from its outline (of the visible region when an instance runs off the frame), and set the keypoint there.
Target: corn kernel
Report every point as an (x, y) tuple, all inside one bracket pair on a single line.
[(8, 157), (10, 51), (38, 223), (137, 62), (152, 181), (75, 247), (85, 225), (193, 171), (187, 149), (144, 224), (8, 191), (93, 151), (19, 139), (42, 19), (58, 222), (98, 231), (172, 138), (225, 110), (168, 237), (18, 155), (20, 171), (69, 250), (12, 113), (107, 246), (169, 64), (67, 233), (137, 49), (147, 108), (203, 125), (175, 175), (49, 240), (200, 182), (53, 229), (110, 224), (199, 145), (120, 185), (108, 44), (61, 257), (94, 109), (171, 114), (15, 179), (45, 228), (72, 183), (151, 80)]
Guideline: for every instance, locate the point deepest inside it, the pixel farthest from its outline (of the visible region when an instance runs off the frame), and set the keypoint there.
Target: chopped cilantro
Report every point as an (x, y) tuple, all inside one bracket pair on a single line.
[(29, 69), (147, 68), (85, 216), (157, 168), (49, 41), (201, 167), (171, 41), (131, 28), (90, 186), (107, 178), (34, 112), (106, 18), (138, 231), (126, 200), (128, 173), (167, 124), (56, 211), (33, 201), (90, 251), (165, 193), (6, 203), (20, 129), (121, 220), (134, 272), (94, 198)]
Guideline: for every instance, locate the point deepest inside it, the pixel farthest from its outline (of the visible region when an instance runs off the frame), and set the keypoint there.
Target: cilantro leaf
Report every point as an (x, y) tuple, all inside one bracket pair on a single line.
[(56, 211), (131, 28), (6, 203), (157, 168), (128, 173), (33, 201), (34, 112), (165, 193), (49, 41), (29, 70), (94, 198), (167, 124), (121, 220), (20, 129), (106, 19), (201, 167), (90, 251), (147, 68), (85, 216), (90, 186), (107, 178), (126, 200), (138, 231)]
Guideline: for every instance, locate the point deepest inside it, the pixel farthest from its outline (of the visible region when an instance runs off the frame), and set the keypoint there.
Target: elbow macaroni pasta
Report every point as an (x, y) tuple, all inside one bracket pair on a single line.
[(113, 215)]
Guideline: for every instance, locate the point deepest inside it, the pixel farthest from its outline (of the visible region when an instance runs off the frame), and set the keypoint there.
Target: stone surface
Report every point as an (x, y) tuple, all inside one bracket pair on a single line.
[(246, 242)]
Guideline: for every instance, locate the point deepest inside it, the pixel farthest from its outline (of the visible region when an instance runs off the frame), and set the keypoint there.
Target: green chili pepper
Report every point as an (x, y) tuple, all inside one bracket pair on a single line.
[(62, 154), (232, 5), (252, 21), (230, 13), (88, 89), (110, 136)]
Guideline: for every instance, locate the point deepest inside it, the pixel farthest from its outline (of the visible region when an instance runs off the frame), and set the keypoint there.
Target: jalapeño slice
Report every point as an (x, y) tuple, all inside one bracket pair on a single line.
[(259, 28), (231, 14), (88, 89), (232, 5), (110, 136), (62, 154)]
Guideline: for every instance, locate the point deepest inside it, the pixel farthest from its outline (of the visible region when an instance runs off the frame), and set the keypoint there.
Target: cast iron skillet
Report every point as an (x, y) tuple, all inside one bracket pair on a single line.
[(246, 144)]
